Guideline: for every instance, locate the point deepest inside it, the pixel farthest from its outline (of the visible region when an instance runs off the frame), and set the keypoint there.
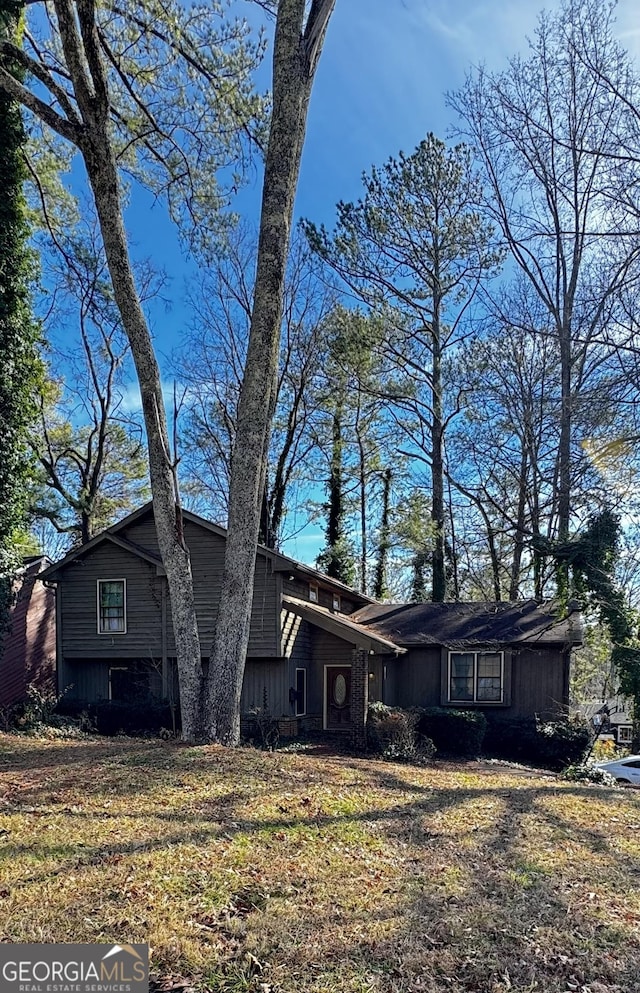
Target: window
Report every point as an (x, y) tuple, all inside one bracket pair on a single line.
[(335, 601), (313, 592), (624, 734), (476, 677), (112, 606), (301, 692)]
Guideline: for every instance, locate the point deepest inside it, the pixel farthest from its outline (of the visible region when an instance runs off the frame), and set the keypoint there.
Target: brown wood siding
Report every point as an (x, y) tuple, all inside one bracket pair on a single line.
[(326, 649), (376, 682), (415, 679), (207, 563), (296, 645), (537, 682), (266, 680), (88, 680), (28, 649), (80, 638), (533, 681)]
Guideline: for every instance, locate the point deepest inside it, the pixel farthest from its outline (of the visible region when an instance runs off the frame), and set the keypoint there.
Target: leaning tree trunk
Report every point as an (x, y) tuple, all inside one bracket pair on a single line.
[(91, 134), (166, 509), (296, 52)]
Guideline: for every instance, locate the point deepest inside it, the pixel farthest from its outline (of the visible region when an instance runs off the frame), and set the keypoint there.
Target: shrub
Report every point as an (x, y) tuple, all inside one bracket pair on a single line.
[(456, 732), (511, 738), (564, 742), (553, 744), (394, 734), (605, 748), (39, 715), (588, 774), (265, 728)]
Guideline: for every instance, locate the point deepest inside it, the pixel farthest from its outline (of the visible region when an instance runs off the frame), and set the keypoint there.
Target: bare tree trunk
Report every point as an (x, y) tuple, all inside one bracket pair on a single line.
[(519, 542), (102, 174), (83, 55), (380, 581), (296, 51), (439, 580), (362, 487)]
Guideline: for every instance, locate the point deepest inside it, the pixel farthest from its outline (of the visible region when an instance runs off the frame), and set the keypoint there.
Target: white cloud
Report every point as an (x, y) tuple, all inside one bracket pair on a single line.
[(131, 402)]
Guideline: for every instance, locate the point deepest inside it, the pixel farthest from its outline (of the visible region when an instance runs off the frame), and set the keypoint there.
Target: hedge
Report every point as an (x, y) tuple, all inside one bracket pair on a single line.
[(456, 732), (553, 744)]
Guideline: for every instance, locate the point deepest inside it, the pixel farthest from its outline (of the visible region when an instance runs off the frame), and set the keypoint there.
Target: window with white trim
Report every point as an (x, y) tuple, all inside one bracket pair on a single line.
[(335, 601), (112, 606), (476, 677), (625, 734), (301, 692), (313, 592)]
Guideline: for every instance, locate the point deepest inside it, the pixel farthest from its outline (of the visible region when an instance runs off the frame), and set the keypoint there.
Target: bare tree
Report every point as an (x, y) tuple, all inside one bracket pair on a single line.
[(90, 451), (138, 85), (546, 133), (211, 366), (298, 43)]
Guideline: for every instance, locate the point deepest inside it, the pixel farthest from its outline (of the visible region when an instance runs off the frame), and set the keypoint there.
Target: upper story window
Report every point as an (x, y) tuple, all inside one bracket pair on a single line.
[(112, 606), (313, 592), (335, 601), (476, 677)]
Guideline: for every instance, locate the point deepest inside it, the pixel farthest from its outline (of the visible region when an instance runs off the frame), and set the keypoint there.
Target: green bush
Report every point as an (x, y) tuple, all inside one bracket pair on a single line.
[(564, 742), (456, 732), (394, 734), (553, 744)]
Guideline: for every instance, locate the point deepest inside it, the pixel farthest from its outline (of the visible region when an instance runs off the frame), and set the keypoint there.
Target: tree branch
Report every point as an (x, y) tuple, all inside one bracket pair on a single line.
[(66, 129)]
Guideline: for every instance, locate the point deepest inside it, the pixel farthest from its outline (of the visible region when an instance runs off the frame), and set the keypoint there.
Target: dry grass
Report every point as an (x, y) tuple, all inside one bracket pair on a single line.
[(307, 873)]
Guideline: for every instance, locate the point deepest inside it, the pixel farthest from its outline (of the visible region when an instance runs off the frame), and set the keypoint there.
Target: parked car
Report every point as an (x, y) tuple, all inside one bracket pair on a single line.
[(625, 771)]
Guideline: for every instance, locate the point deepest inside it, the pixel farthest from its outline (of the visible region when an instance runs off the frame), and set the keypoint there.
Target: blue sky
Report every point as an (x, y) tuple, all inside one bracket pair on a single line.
[(379, 89)]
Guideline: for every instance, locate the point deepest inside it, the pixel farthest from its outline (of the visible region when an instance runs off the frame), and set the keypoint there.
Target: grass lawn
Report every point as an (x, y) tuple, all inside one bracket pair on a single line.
[(315, 873)]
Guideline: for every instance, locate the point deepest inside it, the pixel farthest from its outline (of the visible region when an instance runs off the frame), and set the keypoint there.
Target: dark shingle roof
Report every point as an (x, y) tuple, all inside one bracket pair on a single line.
[(471, 623)]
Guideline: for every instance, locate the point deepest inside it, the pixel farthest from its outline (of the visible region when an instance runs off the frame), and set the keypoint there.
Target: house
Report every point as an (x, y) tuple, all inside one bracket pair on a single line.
[(611, 719), (318, 650), (28, 648), (509, 658)]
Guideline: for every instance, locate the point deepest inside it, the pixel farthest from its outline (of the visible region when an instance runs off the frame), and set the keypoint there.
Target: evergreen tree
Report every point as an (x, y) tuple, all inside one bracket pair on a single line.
[(19, 333), (336, 559)]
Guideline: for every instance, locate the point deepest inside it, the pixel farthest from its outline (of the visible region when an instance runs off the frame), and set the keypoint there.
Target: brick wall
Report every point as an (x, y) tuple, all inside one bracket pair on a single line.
[(359, 696)]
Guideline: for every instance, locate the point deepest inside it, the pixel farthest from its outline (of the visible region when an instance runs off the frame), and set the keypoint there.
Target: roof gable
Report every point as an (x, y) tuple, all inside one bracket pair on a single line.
[(281, 563), (51, 573)]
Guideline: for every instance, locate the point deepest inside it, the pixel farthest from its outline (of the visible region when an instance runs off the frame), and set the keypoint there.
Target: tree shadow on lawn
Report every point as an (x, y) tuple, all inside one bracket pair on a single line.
[(448, 870), (468, 889), (480, 912)]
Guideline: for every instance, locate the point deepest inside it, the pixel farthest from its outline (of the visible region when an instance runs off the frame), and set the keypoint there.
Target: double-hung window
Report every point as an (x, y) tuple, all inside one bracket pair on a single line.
[(112, 606), (476, 677)]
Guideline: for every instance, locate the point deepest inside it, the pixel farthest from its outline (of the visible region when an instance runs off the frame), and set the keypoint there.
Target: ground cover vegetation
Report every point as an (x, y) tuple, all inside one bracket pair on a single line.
[(252, 872)]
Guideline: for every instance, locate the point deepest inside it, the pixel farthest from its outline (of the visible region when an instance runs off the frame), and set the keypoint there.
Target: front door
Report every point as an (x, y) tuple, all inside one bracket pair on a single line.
[(337, 696)]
